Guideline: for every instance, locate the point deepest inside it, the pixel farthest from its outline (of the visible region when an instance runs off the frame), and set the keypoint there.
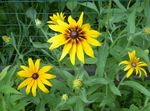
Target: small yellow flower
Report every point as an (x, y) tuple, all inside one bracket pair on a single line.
[(6, 38), (64, 97), (134, 64), (147, 30), (38, 23), (77, 84), (56, 17), (35, 77), (76, 37)]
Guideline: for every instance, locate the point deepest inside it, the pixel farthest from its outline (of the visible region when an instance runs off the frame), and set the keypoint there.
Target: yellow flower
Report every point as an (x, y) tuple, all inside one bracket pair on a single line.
[(56, 17), (76, 38), (64, 97), (134, 64), (147, 30), (77, 84), (35, 77), (6, 38)]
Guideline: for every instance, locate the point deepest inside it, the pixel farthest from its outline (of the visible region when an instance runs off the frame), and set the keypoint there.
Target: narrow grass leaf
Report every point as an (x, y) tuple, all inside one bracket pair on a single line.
[(4, 72)]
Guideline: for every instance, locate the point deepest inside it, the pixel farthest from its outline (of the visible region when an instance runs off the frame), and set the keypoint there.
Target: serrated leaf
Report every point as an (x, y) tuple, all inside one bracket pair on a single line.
[(4, 72), (137, 86)]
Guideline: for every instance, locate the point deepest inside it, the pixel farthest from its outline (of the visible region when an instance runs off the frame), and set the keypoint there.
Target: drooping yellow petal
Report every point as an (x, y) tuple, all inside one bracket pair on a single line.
[(30, 84), (93, 33), (31, 65), (127, 67), (42, 87), (34, 88), (45, 69), (80, 21), (23, 74), (44, 81), (93, 41), (145, 73), (48, 76), (80, 53), (129, 73), (142, 64), (71, 21), (37, 65), (60, 42), (66, 50), (73, 53), (24, 83), (87, 48)]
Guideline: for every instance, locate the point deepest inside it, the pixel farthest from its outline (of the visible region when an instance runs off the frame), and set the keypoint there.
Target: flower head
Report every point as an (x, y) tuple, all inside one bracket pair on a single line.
[(64, 97), (134, 64), (76, 37), (147, 30), (56, 17), (77, 84), (6, 39), (35, 77)]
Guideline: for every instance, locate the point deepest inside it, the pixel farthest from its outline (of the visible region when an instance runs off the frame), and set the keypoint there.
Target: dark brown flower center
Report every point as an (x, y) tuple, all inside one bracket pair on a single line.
[(133, 64), (35, 76), (74, 34)]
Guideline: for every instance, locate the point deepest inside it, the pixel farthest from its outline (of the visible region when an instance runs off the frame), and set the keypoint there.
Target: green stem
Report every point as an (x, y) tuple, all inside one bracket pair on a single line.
[(44, 33), (121, 81)]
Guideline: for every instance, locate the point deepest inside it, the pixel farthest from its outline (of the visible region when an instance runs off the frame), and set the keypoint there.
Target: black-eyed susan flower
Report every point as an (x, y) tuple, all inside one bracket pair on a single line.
[(134, 64), (76, 37), (6, 39), (35, 77), (77, 84), (56, 17)]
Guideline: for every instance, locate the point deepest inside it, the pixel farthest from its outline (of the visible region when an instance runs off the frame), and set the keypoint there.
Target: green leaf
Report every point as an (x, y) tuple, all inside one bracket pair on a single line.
[(4, 72), (102, 58), (114, 89), (3, 105), (8, 89), (137, 86), (119, 5), (90, 5), (134, 108), (31, 13), (90, 60), (71, 4), (94, 81)]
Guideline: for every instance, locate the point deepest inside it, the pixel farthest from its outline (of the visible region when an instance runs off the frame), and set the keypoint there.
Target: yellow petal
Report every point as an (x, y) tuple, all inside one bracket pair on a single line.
[(124, 62), (24, 83), (44, 81), (65, 51), (34, 88), (48, 76), (73, 53), (31, 65), (132, 55), (63, 24), (45, 69), (145, 73), (23, 74), (93, 42), (93, 33), (58, 43), (42, 87), (142, 64), (87, 48), (129, 72), (80, 21), (71, 21), (30, 84), (25, 68), (86, 27), (127, 67), (80, 53), (37, 65), (58, 28), (56, 38)]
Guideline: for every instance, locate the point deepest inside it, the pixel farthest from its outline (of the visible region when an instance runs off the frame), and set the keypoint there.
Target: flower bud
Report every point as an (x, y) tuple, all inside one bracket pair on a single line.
[(64, 97), (6, 39), (38, 23), (77, 84), (147, 30)]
